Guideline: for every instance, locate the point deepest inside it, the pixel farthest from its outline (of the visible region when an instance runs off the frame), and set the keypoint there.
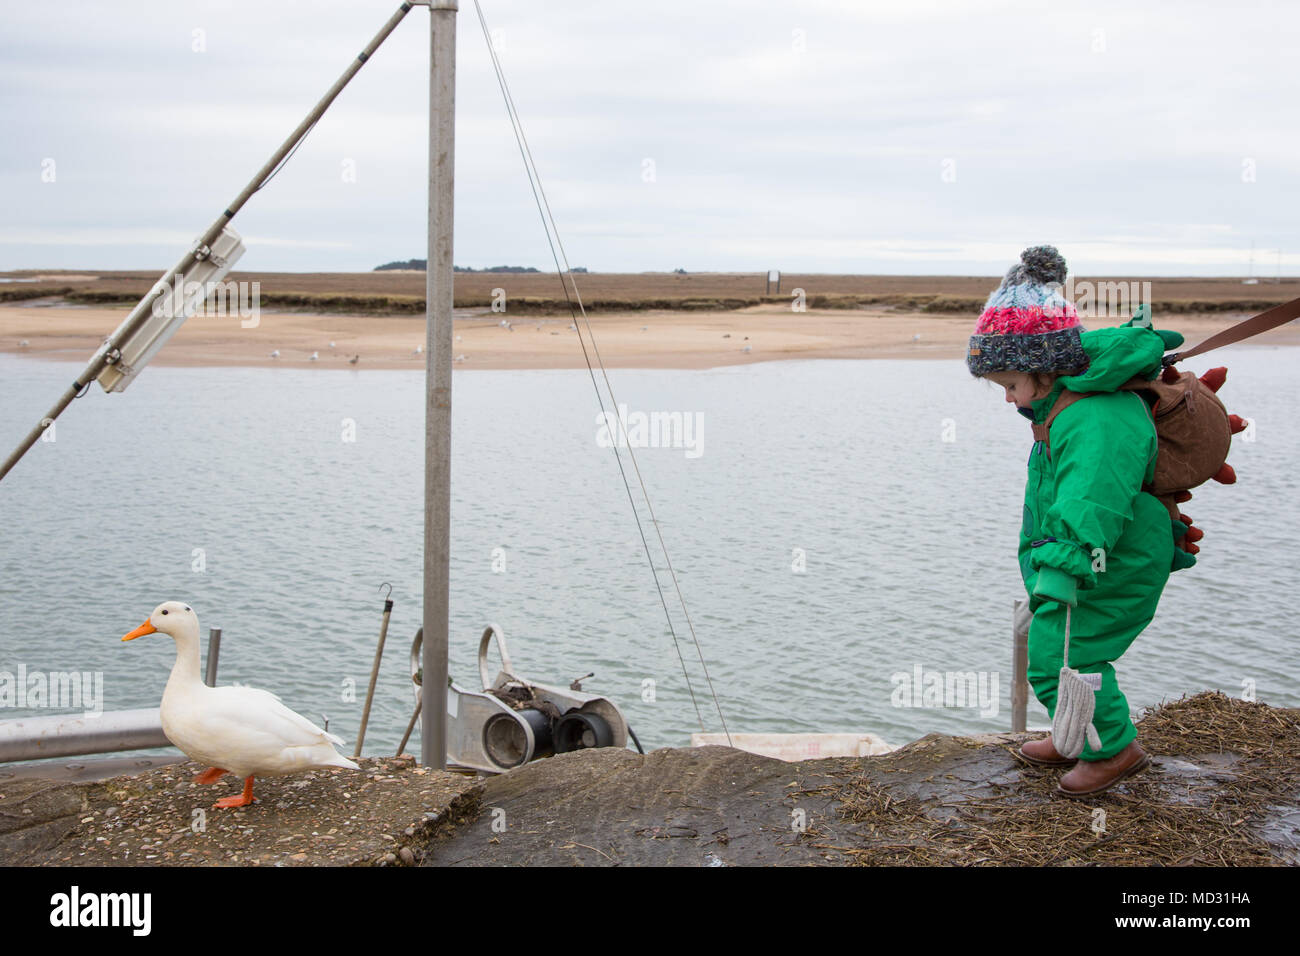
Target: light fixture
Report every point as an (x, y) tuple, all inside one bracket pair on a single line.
[(172, 300)]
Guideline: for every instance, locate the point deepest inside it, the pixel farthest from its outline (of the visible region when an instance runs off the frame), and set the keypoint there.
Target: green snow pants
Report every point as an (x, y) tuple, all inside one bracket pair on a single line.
[(1105, 622)]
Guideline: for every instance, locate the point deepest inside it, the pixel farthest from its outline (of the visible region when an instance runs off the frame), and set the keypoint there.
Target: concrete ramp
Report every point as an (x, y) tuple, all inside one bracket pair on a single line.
[(1223, 790)]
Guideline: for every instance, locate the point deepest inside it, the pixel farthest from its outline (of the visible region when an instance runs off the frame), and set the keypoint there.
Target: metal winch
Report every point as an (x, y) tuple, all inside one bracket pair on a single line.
[(513, 720)]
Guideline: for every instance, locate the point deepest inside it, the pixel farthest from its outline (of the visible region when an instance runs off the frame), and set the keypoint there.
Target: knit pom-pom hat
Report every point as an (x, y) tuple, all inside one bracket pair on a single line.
[(1027, 325)]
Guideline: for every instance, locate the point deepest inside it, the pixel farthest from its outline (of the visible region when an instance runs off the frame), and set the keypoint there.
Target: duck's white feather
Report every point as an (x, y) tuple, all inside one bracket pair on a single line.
[(244, 730)]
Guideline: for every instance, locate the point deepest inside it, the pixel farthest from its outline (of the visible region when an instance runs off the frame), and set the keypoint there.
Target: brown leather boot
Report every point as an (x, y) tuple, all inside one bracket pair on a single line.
[(1094, 776), (1041, 753)]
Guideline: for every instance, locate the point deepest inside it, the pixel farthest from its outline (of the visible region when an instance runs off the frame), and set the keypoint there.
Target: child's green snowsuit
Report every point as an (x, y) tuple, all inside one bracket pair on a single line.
[(1090, 532)]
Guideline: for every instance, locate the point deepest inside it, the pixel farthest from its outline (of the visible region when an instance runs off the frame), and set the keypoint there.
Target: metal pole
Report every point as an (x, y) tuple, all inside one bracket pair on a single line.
[(409, 727), (64, 401), (374, 674), (214, 650), (437, 412), (1019, 666), (111, 349)]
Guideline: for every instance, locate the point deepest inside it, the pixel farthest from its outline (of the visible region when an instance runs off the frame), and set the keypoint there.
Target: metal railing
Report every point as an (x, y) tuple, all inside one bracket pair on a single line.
[(75, 735)]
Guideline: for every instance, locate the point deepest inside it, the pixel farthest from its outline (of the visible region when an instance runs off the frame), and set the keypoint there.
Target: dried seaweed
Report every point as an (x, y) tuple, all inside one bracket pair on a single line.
[(1210, 821)]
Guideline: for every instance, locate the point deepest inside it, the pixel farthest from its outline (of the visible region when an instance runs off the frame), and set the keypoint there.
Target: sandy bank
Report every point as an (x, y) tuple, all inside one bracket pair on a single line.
[(669, 339)]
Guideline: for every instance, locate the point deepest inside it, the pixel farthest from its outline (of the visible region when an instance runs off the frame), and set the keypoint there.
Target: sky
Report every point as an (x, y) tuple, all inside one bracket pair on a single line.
[(917, 137)]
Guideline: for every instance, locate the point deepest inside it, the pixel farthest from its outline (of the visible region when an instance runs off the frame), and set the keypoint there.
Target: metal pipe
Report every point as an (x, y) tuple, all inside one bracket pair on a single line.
[(1019, 665), (410, 727), (111, 348), (308, 122), (374, 675), (438, 337), (69, 735), (214, 650), (55, 411)]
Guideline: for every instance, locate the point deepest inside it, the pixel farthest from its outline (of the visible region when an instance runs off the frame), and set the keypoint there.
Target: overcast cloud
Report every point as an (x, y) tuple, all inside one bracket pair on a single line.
[(906, 137)]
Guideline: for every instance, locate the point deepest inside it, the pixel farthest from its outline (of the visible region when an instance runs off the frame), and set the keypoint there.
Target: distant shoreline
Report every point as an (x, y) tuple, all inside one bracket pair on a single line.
[(649, 339), (402, 292)]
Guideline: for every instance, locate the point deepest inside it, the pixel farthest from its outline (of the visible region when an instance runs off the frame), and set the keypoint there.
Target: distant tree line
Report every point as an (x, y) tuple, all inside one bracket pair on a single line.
[(421, 265)]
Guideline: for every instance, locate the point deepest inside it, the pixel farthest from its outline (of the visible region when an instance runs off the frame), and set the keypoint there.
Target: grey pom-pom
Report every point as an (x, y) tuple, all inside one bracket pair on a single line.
[(1043, 264)]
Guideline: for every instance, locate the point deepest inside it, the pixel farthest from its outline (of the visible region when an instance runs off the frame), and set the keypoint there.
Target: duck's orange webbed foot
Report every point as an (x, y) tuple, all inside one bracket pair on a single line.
[(211, 775), (243, 800)]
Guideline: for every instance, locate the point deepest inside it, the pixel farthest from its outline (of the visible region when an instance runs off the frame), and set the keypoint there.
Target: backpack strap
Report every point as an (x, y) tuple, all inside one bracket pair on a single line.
[(1274, 317), (1063, 401)]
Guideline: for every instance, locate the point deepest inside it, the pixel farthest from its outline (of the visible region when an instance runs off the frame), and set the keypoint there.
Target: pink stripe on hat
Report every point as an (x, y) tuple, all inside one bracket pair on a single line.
[(1026, 320)]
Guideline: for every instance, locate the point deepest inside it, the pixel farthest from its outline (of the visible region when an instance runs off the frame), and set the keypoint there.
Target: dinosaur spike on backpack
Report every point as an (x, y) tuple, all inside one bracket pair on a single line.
[(1225, 475), (1169, 375), (1215, 378), (1181, 496), (1237, 423), (1194, 534), (1192, 549)]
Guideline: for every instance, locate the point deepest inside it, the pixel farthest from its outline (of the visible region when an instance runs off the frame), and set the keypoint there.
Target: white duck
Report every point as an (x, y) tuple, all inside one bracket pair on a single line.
[(238, 730)]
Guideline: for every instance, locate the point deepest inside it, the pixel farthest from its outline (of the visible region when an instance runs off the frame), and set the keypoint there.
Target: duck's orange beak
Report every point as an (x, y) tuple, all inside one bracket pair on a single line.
[(141, 631)]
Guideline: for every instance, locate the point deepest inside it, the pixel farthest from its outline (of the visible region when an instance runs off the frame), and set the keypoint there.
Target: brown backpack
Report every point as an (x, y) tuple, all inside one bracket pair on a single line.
[(1193, 433), (1193, 429)]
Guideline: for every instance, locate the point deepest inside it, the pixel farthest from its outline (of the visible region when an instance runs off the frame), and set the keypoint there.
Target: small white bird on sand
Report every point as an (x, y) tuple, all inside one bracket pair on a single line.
[(419, 349), (748, 348), (331, 345), (916, 337), (23, 344), (239, 730), (275, 354), (315, 356)]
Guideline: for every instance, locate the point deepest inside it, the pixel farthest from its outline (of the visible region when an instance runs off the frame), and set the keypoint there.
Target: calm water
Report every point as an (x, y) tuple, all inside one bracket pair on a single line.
[(908, 540)]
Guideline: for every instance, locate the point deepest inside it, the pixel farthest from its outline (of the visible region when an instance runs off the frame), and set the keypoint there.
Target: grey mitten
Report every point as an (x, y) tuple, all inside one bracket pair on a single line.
[(1075, 704)]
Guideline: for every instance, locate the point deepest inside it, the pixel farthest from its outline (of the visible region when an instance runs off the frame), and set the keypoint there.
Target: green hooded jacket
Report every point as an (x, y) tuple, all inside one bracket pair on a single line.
[(1091, 537), (1086, 519)]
